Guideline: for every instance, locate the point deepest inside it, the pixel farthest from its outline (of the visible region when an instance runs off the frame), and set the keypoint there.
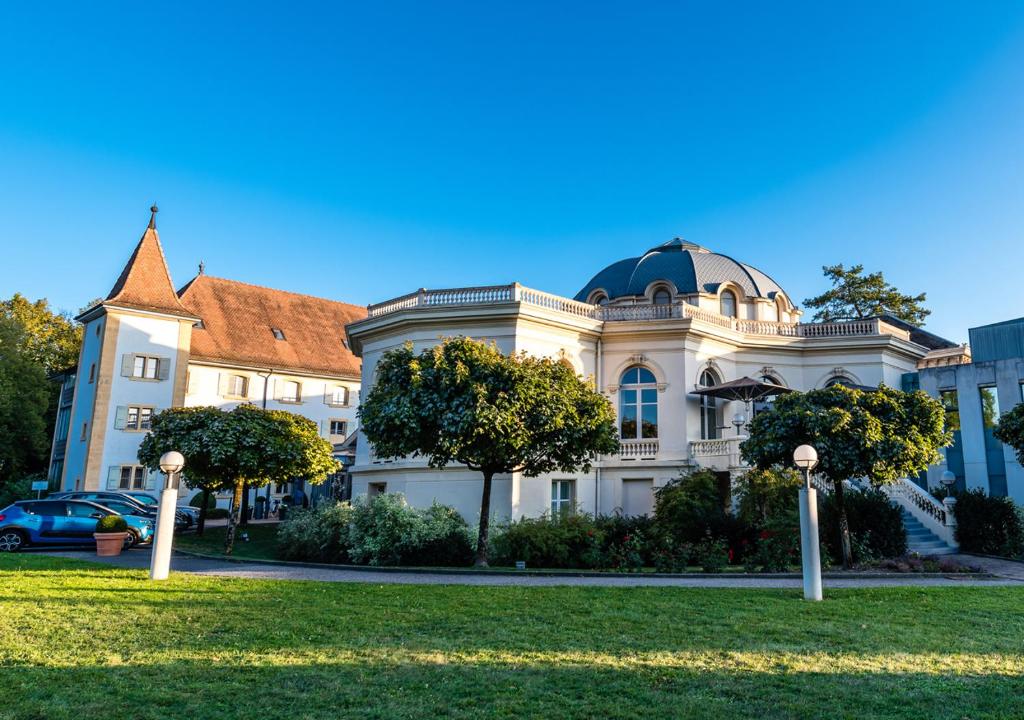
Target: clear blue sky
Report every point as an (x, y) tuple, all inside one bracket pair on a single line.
[(359, 151)]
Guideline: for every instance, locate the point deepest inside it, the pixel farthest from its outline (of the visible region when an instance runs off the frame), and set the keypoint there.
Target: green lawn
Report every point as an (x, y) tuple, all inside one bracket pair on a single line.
[(261, 546), (79, 641)]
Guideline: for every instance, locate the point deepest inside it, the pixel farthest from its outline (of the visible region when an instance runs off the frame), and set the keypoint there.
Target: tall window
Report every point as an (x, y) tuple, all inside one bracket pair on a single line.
[(728, 303), (238, 386), (145, 366), (951, 404), (989, 407), (561, 497), (339, 427), (338, 396), (290, 391), (662, 297), (638, 406), (708, 408), (766, 402), (138, 418)]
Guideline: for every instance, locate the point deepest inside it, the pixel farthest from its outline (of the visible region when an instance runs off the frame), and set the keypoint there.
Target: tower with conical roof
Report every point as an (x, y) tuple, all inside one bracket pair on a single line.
[(133, 363)]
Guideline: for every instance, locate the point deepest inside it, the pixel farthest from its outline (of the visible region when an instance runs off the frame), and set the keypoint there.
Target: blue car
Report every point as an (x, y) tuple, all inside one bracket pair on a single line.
[(62, 522)]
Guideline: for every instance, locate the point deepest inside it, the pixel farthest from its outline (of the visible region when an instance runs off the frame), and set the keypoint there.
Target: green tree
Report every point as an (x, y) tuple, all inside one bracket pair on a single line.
[(855, 296), (24, 398), (882, 435), (463, 401), (246, 446), (1010, 430), (50, 339)]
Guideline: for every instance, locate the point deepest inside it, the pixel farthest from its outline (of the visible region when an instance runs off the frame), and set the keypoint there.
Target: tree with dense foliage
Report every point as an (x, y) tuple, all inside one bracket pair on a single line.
[(50, 339), (855, 296), (463, 401), (882, 435), (246, 446), (1010, 428), (24, 398)]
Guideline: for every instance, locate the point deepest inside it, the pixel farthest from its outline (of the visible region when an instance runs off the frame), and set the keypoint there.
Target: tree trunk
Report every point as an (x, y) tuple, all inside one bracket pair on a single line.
[(244, 521), (201, 525), (844, 525), (236, 505), (485, 521)]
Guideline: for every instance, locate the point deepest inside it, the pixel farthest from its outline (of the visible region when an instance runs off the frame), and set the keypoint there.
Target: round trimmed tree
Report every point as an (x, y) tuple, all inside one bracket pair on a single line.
[(464, 401), (882, 435)]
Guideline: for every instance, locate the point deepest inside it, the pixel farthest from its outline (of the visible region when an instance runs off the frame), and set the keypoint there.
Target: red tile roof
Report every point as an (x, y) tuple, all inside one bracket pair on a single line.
[(238, 322), (145, 282)]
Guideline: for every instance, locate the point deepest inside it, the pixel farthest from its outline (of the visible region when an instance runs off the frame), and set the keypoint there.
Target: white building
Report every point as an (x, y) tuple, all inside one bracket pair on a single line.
[(214, 342), (650, 330)]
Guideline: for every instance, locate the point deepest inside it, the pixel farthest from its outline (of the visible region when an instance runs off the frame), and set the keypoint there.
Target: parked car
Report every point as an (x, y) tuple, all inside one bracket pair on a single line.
[(190, 514), (181, 520), (62, 522)]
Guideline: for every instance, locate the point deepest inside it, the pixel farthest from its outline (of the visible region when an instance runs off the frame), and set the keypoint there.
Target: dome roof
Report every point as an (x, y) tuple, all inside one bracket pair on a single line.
[(691, 268)]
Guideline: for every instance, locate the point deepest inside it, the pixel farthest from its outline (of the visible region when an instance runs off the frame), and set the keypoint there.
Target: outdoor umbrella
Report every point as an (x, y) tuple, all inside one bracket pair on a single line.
[(745, 389)]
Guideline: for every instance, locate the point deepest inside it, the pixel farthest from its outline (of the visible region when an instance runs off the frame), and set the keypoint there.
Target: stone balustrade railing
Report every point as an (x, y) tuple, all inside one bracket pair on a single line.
[(516, 293), (638, 449)]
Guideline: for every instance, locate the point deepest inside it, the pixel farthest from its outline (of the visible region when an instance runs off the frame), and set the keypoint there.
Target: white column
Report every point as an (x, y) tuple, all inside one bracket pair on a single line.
[(809, 549), (160, 564)]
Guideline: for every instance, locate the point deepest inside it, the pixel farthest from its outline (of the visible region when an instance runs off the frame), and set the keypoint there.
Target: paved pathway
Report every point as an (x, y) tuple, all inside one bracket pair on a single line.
[(139, 558)]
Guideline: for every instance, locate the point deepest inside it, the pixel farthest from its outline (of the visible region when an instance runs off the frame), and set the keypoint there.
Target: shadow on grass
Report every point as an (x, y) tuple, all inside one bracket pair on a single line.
[(402, 689)]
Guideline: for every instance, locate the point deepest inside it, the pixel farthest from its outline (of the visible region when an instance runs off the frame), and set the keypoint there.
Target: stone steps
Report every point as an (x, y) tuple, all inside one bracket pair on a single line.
[(921, 540)]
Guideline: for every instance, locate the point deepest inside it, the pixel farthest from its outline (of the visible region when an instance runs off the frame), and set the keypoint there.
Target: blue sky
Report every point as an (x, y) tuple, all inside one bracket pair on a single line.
[(360, 151)]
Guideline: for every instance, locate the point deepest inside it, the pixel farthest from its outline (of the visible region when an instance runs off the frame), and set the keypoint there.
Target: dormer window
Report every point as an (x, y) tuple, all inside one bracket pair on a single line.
[(199, 325), (599, 298), (662, 297), (278, 333), (727, 302)]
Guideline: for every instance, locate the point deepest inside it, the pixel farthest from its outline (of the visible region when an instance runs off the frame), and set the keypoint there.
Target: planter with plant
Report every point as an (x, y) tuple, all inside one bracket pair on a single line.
[(111, 535)]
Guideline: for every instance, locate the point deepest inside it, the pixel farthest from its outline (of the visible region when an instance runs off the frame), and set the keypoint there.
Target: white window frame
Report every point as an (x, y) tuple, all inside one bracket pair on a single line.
[(330, 427), (561, 505)]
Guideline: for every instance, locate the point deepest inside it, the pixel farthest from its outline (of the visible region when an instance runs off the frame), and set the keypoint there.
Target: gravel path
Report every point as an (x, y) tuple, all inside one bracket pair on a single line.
[(1009, 574)]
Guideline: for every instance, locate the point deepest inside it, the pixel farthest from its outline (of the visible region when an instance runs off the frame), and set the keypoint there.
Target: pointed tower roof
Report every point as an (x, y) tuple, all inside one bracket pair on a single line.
[(145, 282)]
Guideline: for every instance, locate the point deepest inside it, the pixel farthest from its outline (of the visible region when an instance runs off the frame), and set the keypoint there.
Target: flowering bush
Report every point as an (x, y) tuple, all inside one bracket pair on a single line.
[(380, 531)]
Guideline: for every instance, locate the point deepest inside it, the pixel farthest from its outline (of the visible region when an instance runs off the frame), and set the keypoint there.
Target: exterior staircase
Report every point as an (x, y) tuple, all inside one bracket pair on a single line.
[(921, 540)]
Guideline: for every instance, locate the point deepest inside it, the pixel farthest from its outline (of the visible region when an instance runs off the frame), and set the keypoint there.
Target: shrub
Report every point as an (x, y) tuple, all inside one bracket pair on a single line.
[(988, 525), (640, 528), (765, 497), (385, 531), (627, 555), (876, 525), (690, 508), (672, 557), (111, 524), (777, 547), (20, 489), (217, 513), (565, 541), (319, 535), (442, 539), (712, 555)]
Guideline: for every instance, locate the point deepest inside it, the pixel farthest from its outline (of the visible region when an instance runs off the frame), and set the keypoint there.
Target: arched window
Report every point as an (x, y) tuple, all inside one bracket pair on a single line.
[(638, 404), (780, 308), (662, 297), (708, 408), (766, 402), (599, 298), (728, 303)]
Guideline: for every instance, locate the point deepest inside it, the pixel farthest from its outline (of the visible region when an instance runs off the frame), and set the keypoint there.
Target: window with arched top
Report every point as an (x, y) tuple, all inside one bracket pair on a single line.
[(662, 297), (708, 408), (766, 402), (780, 308), (638, 404), (599, 298), (727, 303)]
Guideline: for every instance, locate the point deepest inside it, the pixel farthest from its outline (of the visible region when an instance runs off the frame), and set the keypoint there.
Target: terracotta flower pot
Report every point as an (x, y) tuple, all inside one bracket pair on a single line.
[(110, 544)]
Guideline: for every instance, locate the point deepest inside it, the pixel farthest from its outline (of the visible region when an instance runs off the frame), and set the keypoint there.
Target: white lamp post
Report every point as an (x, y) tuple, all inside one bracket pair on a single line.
[(948, 479), (160, 565), (739, 420), (806, 458)]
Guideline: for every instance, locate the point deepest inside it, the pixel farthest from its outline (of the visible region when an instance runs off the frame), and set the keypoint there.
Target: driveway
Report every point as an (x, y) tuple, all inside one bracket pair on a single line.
[(1008, 574)]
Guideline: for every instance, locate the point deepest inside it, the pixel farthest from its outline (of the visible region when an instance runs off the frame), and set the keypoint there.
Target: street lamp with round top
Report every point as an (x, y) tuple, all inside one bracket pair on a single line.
[(805, 457), (171, 463)]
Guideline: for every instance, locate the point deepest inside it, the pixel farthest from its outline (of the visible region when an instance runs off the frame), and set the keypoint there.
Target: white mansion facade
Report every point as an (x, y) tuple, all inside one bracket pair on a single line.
[(649, 330), (214, 342)]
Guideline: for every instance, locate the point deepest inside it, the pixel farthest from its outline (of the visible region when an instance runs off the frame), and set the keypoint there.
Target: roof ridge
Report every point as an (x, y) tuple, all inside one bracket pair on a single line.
[(189, 284)]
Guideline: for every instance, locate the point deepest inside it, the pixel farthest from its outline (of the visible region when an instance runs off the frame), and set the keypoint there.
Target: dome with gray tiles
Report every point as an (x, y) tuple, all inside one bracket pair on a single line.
[(690, 268)]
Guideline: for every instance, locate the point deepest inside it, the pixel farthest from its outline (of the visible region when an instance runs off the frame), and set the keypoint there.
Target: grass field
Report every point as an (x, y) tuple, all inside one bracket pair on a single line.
[(262, 541), (78, 641)]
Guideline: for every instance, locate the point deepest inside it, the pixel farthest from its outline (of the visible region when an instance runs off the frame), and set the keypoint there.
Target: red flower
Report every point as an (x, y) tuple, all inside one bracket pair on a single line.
[(730, 555), (765, 534)]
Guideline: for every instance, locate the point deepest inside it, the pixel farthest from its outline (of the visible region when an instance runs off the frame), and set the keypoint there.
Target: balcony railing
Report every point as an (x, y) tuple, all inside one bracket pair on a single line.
[(516, 293), (719, 453), (638, 449)]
